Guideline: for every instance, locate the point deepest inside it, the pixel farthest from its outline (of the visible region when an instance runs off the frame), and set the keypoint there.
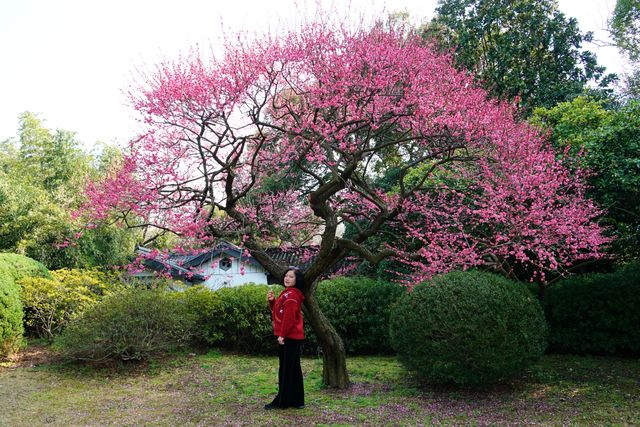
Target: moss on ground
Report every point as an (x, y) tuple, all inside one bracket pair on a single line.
[(228, 389)]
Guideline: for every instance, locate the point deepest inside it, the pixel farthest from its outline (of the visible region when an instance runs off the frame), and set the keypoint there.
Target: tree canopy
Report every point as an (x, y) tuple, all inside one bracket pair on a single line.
[(625, 27), (42, 177), (607, 142), (523, 48)]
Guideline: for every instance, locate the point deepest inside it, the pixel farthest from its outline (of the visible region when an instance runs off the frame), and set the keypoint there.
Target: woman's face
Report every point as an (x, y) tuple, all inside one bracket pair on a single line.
[(289, 279)]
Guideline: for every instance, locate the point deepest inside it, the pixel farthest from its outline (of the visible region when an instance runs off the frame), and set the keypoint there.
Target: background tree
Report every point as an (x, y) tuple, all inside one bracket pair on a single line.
[(522, 48), (42, 176), (610, 140), (624, 26), (52, 161), (317, 108)]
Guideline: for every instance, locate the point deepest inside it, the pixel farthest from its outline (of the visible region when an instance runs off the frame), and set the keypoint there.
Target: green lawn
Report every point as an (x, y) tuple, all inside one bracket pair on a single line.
[(227, 389)]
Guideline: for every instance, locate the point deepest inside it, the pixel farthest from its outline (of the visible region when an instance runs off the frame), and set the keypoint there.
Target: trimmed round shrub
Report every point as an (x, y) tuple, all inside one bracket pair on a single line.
[(468, 328), (11, 328), (239, 319), (14, 267), (130, 325), (596, 313), (358, 308), (18, 266)]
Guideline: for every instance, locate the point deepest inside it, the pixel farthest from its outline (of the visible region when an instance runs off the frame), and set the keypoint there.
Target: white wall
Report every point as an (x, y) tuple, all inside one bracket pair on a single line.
[(218, 278)]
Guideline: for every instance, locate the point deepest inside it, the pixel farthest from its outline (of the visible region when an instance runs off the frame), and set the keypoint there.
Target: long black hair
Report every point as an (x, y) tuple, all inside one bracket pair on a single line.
[(299, 277)]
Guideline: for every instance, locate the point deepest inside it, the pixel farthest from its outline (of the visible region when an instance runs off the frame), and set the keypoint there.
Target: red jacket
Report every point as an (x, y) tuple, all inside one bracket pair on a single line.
[(286, 313)]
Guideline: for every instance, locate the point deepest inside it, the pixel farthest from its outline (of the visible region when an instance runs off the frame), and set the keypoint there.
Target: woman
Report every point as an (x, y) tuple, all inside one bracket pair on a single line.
[(286, 314)]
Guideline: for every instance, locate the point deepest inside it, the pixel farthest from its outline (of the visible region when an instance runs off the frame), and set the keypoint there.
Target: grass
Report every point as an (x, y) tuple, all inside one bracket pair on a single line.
[(228, 389)]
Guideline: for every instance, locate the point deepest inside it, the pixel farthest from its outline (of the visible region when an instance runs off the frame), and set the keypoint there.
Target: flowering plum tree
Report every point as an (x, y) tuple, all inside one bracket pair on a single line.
[(277, 142)]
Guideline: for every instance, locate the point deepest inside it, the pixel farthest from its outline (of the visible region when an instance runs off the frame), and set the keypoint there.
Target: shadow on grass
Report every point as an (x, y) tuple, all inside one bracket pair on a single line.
[(206, 387)]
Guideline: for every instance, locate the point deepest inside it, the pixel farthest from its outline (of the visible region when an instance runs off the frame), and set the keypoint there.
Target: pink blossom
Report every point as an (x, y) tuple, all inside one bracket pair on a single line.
[(319, 107)]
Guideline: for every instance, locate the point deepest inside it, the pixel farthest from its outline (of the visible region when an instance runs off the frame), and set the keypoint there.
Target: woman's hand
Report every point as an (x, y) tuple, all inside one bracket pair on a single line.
[(281, 340), (270, 296)]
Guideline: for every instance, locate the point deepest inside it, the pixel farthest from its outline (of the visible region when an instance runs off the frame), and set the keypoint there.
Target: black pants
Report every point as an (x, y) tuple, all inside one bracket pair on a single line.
[(290, 387)]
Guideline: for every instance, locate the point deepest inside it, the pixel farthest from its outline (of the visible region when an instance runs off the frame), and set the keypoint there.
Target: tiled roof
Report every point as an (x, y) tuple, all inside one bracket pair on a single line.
[(300, 257), (224, 248), (172, 266)]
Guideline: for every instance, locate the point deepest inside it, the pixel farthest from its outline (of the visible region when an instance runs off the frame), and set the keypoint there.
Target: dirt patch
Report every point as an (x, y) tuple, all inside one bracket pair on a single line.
[(33, 355)]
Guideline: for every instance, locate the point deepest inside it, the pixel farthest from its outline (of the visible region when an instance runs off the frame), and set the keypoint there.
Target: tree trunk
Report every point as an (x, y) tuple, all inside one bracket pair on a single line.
[(334, 367)]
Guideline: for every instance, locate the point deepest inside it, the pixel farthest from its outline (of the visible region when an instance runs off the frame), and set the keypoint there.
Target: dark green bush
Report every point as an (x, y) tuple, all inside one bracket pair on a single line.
[(14, 267), (131, 325), (239, 318), (11, 328), (468, 328), (358, 308), (596, 313)]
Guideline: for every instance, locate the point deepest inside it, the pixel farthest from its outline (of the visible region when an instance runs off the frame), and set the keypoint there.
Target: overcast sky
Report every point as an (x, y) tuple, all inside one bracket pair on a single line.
[(69, 60)]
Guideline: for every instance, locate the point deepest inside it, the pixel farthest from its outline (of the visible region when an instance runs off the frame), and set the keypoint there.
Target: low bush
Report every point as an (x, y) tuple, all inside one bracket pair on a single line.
[(246, 319), (130, 325), (468, 328), (358, 308), (596, 313), (236, 319), (14, 267), (239, 319), (206, 308), (51, 303)]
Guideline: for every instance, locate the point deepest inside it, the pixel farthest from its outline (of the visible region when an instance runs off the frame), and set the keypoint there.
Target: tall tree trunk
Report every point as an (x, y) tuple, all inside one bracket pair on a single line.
[(334, 368)]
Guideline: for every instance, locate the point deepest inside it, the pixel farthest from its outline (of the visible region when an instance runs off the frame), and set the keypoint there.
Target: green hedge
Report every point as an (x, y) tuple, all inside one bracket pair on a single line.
[(235, 318), (205, 306), (358, 308), (131, 325), (239, 319), (596, 313), (14, 267), (468, 328)]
